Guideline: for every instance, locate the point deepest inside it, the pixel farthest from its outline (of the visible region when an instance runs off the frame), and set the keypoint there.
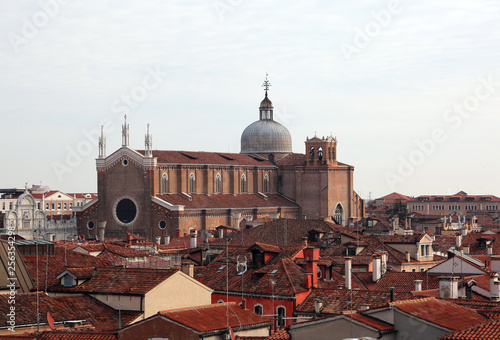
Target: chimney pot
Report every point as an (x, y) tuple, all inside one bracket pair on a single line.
[(348, 273), (418, 285)]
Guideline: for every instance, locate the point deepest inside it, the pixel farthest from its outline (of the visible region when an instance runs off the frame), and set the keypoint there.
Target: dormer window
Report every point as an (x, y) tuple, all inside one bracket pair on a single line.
[(257, 258), (350, 251), (369, 223)]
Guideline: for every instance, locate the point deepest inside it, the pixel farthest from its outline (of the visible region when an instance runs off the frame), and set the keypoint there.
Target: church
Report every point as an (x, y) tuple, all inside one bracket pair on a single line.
[(159, 193)]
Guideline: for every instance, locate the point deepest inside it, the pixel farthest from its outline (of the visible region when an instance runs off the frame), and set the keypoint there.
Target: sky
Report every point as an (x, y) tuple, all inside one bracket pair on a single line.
[(411, 90)]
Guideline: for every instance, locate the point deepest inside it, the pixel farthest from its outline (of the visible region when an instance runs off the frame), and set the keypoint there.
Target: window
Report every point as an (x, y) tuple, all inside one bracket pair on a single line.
[(10, 205), (38, 205), (65, 206), (217, 183), (266, 183), (53, 206), (3, 205), (71, 205), (281, 311), (257, 309), (164, 183), (339, 214), (191, 183), (68, 281), (58, 206), (311, 153), (47, 206), (243, 183), (320, 154)]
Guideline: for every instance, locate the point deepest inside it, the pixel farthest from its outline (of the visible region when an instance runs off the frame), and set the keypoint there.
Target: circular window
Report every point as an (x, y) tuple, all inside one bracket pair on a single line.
[(162, 224), (90, 225), (126, 211), (125, 162)]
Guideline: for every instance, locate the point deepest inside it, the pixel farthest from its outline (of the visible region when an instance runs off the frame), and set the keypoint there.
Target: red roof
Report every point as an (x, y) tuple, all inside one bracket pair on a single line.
[(211, 158), (212, 318), (281, 334), (377, 324), (131, 281), (77, 336), (204, 201), (487, 330), (441, 313), (401, 281)]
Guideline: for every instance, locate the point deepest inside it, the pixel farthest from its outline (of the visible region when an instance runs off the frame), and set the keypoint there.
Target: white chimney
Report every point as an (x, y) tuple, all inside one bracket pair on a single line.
[(495, 265), (158, 240), (101, 229), (348, 273), (407, 256), (376, 268), (494, 287), (167, 239), (448, 287), (318, 305), (466, 250), (193, 241), (458, 240), (418, 285), (490, 249)]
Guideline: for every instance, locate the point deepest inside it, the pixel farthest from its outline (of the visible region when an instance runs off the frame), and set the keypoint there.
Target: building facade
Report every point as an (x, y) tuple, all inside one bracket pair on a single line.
[(156, 193)]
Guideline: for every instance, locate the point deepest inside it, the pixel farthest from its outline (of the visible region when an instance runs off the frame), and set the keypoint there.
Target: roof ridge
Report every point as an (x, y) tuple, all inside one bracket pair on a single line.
[(288, 275)]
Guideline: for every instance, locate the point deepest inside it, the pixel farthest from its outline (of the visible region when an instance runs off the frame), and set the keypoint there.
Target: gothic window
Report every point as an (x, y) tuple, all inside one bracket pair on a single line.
[(311, 153), (281, 316), (320, 154), (217, 183), (257, 309), (266, 183), (243, 183), (164, 179), (191, 183), (339, 214)]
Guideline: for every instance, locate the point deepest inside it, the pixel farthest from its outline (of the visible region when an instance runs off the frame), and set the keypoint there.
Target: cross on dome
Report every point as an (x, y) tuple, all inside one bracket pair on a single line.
[(266, 84)]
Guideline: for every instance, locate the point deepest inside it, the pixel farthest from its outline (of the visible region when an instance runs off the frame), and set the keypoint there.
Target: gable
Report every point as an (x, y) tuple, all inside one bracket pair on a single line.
[(457, 266)]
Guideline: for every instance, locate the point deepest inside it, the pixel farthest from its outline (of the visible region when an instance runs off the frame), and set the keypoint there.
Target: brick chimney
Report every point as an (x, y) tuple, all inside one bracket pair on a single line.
[(376, 267), (418, 285), (448, 287), (311, 256), (348, 272)]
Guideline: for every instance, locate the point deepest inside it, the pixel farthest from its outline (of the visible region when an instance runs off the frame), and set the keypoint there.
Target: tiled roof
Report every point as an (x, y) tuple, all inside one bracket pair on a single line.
[(334, 301), (458, 197), (441, 313), (402, 282), (288, 277), (281, 334), (393, 197), (132, 281), (294, 159), (472, 240), (81, 273), (77, 336), (63, 308), (486, 330), (369, 321), (482, 306), (212, 318), (214, 201), (266, 247), (49, 267), (215, 158)]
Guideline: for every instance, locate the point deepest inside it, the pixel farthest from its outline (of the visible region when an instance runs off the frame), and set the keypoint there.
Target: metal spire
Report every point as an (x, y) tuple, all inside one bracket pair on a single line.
[(266, 84)]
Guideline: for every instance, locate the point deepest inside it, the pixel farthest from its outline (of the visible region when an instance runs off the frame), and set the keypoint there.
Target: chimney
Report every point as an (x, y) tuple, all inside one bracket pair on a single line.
[(221, 233), (448, 287), (494, 287), (364, 306), (458, 240), (167, 239), (192, 243), (391, 294), (376, 267), (101, 229), (318, 306), (178, 232), (304, 240), (158, 240), (407, 256), (495, 265), (465, 250), (418, 285), (311, 256), (244, 304), (490, 249), (188, 268), (348, 273)]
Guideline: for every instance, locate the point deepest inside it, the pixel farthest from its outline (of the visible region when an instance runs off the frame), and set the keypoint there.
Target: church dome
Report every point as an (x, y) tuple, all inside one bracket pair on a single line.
[(266, 136)]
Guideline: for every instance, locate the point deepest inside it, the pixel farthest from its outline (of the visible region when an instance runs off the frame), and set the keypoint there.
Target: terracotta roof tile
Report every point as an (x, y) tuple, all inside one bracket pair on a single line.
[(439, 312), (402, 282), (487, 330), (213, 201), (77, 336), (132, 281), (213, 317), (281, 334), (377, 324)]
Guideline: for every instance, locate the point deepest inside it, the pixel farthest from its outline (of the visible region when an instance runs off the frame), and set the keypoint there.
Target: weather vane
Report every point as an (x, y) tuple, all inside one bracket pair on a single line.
[(266, 84)]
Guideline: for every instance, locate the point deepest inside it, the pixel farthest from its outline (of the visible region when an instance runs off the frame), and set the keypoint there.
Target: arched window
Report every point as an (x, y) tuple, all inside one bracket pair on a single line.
[(243, 183), (281, 312), (257, 309), (330, 154), (266, 183), (191, 183), (164, 179), (320, 154), (333, 154), (217, 183), (311, 153), (339, 214)]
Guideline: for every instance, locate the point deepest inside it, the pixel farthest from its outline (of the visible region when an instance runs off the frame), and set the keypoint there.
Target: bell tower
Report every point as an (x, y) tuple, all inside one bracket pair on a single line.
[(321, 151)]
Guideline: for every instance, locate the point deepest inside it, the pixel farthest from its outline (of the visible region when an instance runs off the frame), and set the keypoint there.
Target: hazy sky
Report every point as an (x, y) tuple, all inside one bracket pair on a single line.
[(411, 89)]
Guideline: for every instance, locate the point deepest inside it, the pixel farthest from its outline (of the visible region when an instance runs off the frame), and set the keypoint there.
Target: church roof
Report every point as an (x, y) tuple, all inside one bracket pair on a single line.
[(201, 157), (226, 201)]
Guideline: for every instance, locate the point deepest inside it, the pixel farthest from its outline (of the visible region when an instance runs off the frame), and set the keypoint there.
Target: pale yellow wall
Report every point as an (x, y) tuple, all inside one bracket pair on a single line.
[(122, 302), (178, 291)]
